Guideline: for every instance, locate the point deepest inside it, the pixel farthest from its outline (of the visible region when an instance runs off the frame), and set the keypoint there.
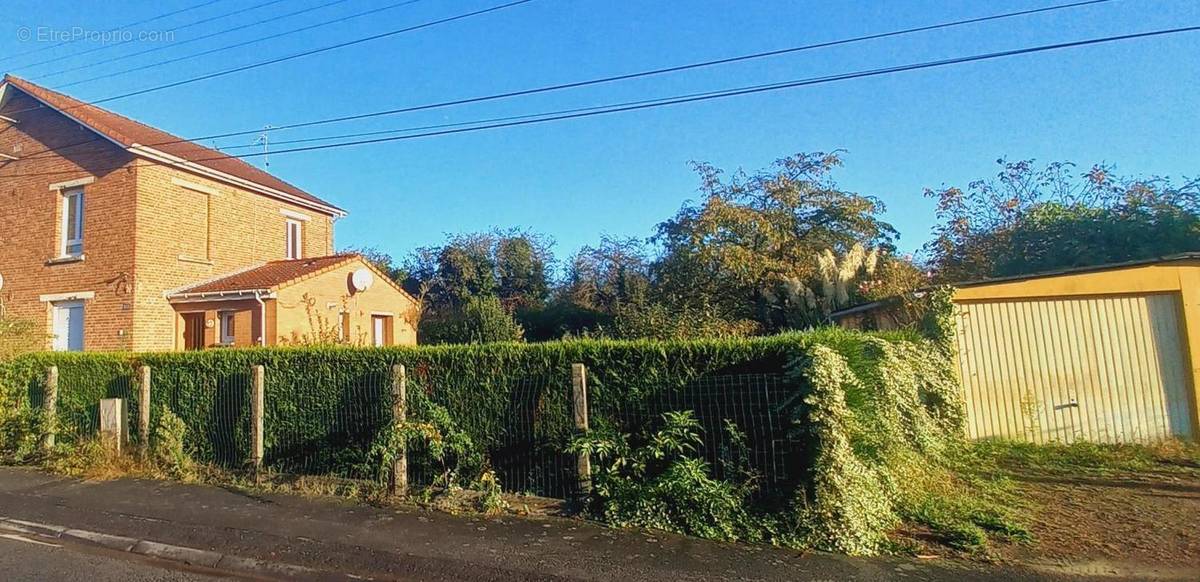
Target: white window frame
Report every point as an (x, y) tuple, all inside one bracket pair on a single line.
[(294, 239), (228, 323), (67, 242)]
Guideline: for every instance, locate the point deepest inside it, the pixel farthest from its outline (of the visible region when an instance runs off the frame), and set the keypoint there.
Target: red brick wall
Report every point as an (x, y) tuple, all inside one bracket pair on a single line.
[(143, 233), (30, 222)]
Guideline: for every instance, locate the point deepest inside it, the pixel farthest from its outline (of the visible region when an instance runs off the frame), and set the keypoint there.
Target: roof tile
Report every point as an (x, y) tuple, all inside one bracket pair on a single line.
[(267, 276), (128, 132)]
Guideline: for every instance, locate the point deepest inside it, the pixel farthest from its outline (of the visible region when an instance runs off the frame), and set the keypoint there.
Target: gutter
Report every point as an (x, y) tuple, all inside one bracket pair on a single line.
[(256, 294)]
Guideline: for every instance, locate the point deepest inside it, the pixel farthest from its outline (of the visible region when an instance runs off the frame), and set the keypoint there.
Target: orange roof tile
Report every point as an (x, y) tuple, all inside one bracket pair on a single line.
[(268, 276), (128, 132)]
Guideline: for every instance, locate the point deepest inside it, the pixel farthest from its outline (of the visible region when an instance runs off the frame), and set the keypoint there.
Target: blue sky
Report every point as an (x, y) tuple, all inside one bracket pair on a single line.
[(1134, 104)]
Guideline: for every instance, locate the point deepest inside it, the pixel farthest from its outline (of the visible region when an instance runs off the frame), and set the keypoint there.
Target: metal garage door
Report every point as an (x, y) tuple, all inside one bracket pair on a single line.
[(1104, 369)]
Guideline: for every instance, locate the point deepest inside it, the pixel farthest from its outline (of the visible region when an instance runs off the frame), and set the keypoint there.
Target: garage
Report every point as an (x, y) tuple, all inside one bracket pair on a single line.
[(1107, 353), (1101, 369)]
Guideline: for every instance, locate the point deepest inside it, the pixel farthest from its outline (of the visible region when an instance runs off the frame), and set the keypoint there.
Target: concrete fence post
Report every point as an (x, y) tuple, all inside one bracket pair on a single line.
[(257, 383), (144, 408), (114, 423), (50, 408), (583, 463), (398, 484)]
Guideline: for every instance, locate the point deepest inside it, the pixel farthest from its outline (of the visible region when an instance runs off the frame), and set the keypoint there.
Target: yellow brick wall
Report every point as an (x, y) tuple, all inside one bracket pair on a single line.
[(301, 309), (30, 223), (185, 236)]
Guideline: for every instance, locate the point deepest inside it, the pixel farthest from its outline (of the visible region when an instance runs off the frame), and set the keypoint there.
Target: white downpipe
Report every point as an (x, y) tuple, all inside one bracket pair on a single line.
[(262, 319)]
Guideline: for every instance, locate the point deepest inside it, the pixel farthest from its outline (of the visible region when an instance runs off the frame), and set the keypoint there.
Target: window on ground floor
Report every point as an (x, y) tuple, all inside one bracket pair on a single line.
[(381, 330), (228, 322)]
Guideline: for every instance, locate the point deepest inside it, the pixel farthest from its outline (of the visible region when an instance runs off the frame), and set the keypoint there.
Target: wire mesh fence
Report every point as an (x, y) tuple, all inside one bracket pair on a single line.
[(78, 406), (335, 421), (518, 429), (214, 407), (743, 419), (327, 424)]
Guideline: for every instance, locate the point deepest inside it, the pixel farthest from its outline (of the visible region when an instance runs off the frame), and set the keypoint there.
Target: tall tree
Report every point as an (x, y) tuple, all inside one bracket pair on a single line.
[(522, 264), (605, 277), (752, 233), (1031, 218)]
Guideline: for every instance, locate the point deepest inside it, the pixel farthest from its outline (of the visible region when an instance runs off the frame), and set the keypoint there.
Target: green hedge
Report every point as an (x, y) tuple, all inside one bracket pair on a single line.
[(864, 408)]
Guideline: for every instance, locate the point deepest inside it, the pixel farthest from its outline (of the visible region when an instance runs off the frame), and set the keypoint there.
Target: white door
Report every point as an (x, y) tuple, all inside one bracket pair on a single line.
[(1101, 369), (68, 326)]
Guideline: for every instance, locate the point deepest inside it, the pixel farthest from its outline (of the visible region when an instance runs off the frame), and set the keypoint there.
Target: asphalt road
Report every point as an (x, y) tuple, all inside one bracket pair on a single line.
[(287, 536), (27, 559)]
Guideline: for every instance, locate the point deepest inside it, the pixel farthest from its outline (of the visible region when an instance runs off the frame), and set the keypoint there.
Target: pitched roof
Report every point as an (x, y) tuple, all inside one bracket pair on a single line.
[(265, 277), (129, 133)]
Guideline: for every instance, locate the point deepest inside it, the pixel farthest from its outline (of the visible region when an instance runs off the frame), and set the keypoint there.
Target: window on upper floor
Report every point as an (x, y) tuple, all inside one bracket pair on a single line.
[(72, 223), (295, 239)]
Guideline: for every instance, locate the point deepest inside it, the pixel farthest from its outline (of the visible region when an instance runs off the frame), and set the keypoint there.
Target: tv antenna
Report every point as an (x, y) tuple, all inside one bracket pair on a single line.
[(264, 139)]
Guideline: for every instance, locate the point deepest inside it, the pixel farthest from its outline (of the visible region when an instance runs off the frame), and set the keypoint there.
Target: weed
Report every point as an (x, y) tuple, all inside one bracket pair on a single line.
[(167, 446), (490, 501)]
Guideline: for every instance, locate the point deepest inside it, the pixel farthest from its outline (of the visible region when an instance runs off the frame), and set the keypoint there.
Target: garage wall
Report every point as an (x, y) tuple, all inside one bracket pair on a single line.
[(1103, 369)]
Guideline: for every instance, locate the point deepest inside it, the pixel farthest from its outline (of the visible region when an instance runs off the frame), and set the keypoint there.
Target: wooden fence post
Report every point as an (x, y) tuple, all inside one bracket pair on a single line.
[(583, 464), (257, 382), (144, 408), (50, 408), (398, 484)]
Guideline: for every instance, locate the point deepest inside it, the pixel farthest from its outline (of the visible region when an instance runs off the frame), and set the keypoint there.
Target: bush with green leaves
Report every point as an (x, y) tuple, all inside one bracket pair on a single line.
[(659, 321), (167, 445), (658, 480), (481, 320)]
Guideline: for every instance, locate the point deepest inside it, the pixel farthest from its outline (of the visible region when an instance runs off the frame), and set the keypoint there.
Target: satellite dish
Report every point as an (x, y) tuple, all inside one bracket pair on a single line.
[(362, 279), (1, 281)]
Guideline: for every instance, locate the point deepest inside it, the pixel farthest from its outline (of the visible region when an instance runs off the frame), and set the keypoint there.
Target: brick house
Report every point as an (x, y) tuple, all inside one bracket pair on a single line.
[(120, 236)]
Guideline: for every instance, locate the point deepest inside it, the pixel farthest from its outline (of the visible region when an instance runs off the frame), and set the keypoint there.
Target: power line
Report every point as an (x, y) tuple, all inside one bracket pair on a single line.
[(117, 29), (739, 91), (649, 73), (311, 52), (620, 108), (176, 29), (662, 71), (228, 47), (184, 42)]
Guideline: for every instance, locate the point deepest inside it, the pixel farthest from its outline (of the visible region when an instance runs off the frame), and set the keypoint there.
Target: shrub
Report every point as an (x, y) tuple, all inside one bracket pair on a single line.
[(18, 336), (658, 321), (167, 445), (481, 320), (658, 481), (20, 431)]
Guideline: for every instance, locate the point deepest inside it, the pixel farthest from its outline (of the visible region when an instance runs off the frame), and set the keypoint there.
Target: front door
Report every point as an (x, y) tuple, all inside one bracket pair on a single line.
[(68, 326), (193, 331)]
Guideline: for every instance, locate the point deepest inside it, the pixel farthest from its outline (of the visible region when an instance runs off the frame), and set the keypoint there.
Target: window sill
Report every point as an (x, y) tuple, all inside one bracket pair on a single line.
[(66, 259), (194, 260)]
